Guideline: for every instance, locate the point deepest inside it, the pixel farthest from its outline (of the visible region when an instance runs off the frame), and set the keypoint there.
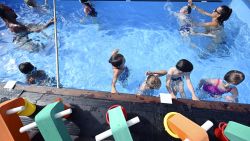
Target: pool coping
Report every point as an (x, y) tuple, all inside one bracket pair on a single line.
[(223, 106)]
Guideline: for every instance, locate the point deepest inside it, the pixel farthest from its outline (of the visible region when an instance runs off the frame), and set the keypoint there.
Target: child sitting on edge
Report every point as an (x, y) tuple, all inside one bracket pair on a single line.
[(151, 83), (34, 76), (175, 79), (88, 8), (120, 71), (217, 87)]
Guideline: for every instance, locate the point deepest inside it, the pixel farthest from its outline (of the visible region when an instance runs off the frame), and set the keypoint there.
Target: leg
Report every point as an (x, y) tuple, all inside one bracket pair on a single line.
[(181, 88), (174, 88)]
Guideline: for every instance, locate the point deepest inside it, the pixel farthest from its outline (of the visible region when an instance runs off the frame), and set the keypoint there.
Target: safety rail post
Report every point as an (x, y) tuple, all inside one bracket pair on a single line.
[(56, 45)]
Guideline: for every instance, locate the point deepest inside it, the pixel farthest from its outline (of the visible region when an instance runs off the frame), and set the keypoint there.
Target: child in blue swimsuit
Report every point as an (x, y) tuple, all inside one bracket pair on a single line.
[(175, 76), (217, 87), (120, 71)]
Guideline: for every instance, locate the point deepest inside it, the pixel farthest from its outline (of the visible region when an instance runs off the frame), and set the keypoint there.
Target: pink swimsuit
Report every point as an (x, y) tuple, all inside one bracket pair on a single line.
[(214, 90)]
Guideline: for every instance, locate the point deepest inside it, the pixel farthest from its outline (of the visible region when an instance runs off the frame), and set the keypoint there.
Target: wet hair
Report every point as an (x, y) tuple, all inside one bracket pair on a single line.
[(31, 3), (26, 67), (4, 9), (224, 14), (84, 1), (116, 60), (184, 65), (187, 8), (234, 76), (153, 82), (1, 10)]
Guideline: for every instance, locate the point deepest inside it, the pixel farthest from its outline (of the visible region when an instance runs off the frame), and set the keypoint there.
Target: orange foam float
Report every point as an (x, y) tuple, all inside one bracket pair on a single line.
[(178, 126), (10, 121)]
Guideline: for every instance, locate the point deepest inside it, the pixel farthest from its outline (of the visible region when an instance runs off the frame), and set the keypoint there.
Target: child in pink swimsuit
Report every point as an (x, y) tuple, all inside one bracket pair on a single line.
[(217, 87)]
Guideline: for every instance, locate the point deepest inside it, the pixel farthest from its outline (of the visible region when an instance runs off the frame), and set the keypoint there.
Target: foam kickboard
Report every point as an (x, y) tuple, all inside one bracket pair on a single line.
[(52, 129), (119, 125)]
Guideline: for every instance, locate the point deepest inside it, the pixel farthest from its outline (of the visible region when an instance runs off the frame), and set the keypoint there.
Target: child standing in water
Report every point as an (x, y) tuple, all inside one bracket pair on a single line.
[(120, 71), (217, 87), (151, 83), (175, 78)]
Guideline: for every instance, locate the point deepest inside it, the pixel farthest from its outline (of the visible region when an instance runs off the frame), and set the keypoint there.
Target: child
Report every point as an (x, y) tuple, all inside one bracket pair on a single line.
[(151, 83), (88, 8), (184, 19), (120, 71), (34, 76), (217, 87), (175, 79), (33, 3)]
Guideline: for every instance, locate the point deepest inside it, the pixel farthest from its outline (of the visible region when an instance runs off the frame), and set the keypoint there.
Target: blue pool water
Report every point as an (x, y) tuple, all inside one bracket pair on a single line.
[(146, 34)]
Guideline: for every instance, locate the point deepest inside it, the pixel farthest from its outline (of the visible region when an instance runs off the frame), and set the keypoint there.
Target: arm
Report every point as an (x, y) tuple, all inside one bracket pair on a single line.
[(141, 89), (201, 11), (190, 2), (115, 77), (190, 87), (50, 22), (31, 80), (234, 96), (160, 73), (202, 82), (115, 51)]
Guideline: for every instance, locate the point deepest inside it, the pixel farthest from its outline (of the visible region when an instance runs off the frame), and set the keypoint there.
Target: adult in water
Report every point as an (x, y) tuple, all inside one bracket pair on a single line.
[(20, 30), (218, 16)]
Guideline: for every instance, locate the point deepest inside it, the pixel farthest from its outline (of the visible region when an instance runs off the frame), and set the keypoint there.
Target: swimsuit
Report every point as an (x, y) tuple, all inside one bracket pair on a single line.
[(124, 75), (176, 79), (214, 90), (185, 28)]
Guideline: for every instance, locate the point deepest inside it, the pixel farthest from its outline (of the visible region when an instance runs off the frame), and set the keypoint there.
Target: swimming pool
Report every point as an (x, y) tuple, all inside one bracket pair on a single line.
[(146, 34)]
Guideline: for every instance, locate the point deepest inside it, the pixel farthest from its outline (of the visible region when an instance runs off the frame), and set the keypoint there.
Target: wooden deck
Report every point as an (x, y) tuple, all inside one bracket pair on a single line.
[(89, 109)]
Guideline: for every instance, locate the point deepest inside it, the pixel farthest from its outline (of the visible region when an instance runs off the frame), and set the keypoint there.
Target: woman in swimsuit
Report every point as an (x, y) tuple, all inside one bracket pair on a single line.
[(175, 77), (215, 26), (20, 30), (120, 71), (217, 87)]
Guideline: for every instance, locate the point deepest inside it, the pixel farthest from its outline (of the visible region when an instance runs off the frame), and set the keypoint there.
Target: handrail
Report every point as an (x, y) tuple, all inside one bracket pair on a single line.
[(56, 45)]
